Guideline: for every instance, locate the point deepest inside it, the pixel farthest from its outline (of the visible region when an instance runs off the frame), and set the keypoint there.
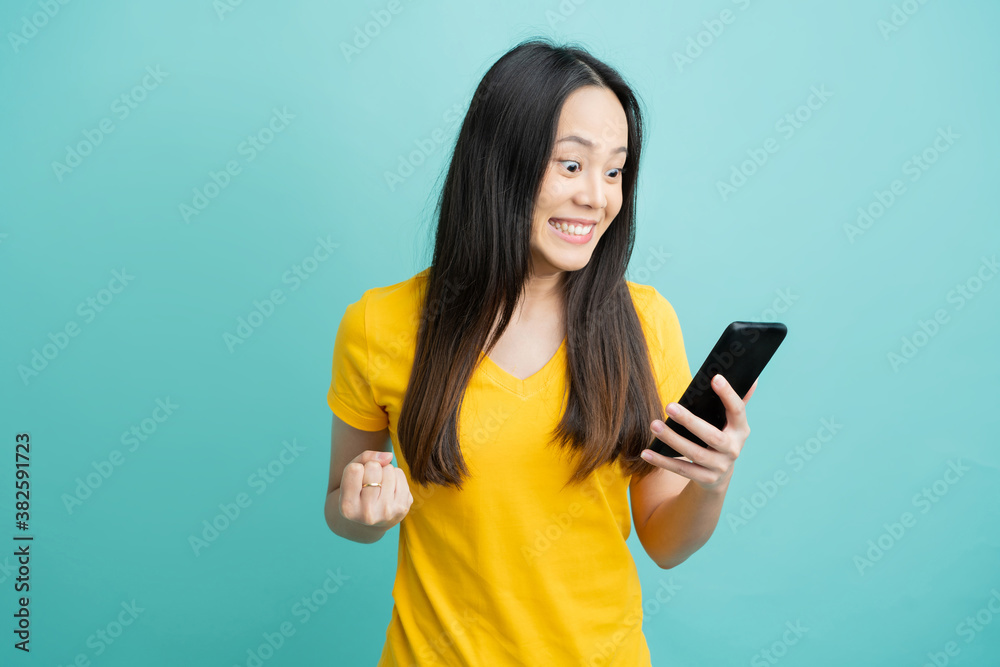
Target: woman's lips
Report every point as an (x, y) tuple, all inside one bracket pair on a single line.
[(571, 238)]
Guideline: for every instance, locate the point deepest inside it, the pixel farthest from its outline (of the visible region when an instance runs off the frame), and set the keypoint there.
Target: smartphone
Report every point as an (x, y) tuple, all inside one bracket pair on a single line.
[(739, 356)]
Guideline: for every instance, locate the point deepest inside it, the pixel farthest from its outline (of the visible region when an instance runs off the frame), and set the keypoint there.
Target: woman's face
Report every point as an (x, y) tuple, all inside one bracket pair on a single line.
[(582, 185)]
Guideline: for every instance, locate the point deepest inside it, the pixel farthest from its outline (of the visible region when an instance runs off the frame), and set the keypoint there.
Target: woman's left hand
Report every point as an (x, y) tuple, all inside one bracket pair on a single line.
[(711, 467)]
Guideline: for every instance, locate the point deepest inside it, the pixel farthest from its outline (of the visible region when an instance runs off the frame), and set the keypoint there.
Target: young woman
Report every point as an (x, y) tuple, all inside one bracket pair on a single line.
[(518, 379)]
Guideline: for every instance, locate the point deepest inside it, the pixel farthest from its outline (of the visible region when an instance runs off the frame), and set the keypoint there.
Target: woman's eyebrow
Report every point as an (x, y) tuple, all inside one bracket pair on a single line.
[(588, 143)]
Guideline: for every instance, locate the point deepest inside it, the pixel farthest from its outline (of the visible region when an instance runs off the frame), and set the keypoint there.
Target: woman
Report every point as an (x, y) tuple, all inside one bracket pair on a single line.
[(519, 378)]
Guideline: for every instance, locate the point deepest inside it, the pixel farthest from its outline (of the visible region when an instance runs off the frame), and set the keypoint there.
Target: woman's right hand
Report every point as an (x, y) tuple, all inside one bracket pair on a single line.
[(380, 507)]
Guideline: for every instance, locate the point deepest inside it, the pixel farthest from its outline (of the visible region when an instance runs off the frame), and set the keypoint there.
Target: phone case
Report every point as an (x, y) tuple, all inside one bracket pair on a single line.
[(739, 356)]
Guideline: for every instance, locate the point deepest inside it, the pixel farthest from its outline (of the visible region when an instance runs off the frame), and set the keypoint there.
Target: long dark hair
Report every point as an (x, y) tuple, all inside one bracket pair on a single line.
[(482, 258)]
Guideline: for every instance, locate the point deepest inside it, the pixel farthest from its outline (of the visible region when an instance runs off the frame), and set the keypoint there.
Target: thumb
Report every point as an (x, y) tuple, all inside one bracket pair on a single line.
[(372, 455)]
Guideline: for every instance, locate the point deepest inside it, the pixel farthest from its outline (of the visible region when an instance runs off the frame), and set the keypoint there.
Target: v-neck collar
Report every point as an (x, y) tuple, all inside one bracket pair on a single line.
[(531, 384)]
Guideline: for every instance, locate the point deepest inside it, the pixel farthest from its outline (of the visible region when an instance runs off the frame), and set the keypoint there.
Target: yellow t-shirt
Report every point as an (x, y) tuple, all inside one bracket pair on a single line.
[(513, 569)]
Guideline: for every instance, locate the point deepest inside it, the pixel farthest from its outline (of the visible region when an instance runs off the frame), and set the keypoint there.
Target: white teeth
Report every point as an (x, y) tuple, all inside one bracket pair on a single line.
[(575, 230)]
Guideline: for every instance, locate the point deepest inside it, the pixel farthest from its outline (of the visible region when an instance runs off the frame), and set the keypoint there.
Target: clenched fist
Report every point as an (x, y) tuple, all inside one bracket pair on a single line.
[(380, 507)]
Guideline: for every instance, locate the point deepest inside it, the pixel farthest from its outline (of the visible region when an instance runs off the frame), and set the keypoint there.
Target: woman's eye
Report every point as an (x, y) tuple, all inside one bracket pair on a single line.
[(574, 162)]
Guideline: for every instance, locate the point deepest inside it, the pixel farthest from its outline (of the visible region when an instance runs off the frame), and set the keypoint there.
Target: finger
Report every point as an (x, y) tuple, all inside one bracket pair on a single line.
[(372, 475), (708, 433), (350, 488), (372, 455), (388, 489), (708, 458), (402, 490), (735, 408), (354, 476), (753, 387), (350, 482), (682, 467)]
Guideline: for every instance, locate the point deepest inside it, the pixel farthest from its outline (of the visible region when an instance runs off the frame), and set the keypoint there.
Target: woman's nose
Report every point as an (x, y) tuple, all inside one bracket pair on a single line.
[(591, 192)]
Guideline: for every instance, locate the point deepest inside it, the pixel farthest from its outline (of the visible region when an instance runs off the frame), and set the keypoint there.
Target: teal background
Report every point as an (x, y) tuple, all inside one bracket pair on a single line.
[(779, 239)]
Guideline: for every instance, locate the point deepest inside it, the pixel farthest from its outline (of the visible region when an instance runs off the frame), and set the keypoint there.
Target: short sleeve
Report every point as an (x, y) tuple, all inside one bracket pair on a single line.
[(670, 364), (350, 396)]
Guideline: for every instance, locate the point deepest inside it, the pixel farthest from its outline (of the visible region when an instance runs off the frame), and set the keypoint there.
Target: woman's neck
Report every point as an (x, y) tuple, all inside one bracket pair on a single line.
[(543, 295)]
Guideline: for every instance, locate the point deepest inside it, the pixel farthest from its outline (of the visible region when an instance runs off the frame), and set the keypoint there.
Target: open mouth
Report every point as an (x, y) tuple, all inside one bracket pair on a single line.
[(572, 231)]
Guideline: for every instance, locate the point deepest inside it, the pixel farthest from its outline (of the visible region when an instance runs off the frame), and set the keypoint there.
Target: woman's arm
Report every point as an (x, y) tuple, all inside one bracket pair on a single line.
[(347, 443), (682, 524)]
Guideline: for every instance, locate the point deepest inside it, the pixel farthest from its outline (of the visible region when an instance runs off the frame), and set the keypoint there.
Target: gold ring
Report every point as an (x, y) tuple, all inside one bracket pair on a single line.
[(371, 484)]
